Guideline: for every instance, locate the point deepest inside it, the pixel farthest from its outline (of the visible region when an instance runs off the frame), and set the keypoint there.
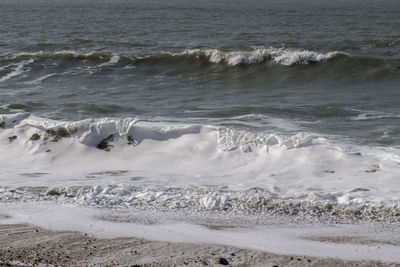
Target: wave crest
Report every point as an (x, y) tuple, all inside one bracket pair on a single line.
[(91, 132), (282, 56), (160, 153)]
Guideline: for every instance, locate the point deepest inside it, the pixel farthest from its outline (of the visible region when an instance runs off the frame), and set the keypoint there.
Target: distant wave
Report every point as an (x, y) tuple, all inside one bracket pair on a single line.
[(282, 56), (58, 54), (286, 57), (260, 60)]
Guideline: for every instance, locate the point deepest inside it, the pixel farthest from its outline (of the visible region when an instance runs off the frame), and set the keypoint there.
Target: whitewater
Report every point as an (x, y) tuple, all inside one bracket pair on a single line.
[(271, 126), (228, 160), (136, 162), (167, 180)]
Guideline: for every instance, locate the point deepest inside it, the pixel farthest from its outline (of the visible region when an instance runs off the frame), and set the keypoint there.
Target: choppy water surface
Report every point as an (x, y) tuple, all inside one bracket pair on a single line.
[(293, 98)]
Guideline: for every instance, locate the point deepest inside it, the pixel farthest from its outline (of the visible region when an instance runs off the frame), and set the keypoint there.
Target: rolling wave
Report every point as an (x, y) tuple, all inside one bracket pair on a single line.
[(158, 163), (94, 132), (333, 64), (281, 56)]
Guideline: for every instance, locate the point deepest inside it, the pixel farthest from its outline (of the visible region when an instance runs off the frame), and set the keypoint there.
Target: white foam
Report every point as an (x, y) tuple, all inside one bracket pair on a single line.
[(7, 66), (282, 56), (22, 54), (42, 78), (194, 159), (199, 169), (287, 239), (293, 57), (373, 115), (19, 69), (72, 53), (113, 60)]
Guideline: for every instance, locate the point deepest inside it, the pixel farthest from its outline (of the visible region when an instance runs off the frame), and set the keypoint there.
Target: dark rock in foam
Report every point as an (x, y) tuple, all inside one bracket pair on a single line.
[(103, 145), (35, 137), (56, 134), (53, 193), (131, 141)]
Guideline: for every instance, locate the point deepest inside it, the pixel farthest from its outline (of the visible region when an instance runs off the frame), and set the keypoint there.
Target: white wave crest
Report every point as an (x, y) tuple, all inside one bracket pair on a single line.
[(282, 56), (17, 70), (293, 57), (113, 60), (42, 78), (71, 53)]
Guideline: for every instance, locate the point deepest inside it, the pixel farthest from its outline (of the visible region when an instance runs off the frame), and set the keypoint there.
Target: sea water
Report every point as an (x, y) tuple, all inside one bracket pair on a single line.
[(236, 107)]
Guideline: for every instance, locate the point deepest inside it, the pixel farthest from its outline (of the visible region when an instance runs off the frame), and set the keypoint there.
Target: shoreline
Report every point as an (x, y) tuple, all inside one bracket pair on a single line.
[(30, 245)]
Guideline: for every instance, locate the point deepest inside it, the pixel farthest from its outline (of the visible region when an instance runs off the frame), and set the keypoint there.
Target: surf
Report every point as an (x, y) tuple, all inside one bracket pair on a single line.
[(134, 162)]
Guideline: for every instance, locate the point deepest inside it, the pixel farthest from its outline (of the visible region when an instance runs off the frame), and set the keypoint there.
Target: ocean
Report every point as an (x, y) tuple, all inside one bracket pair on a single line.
[(250, 108)]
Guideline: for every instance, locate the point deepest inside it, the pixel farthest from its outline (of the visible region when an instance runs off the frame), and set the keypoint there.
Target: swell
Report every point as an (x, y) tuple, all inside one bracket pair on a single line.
[(100, 132), (279, 56), (274, 61)]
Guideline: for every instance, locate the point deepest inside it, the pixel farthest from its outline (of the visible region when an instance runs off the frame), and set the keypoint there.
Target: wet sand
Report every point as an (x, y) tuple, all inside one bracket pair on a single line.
[(23, 245)]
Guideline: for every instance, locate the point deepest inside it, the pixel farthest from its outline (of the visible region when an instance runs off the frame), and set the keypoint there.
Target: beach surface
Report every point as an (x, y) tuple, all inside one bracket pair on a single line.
[(26, 245)]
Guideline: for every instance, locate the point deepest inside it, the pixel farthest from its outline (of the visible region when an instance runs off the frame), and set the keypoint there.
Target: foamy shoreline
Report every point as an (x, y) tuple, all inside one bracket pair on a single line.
[(29, 245), (52, 232)]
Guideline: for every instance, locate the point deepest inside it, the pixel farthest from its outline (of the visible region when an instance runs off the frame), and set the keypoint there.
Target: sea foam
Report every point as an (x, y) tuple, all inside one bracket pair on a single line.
[(132, 162), (17, 69), (282, 56)]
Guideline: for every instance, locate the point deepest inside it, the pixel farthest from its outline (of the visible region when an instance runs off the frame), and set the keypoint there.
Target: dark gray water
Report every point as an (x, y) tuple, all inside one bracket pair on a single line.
[(331, 67)]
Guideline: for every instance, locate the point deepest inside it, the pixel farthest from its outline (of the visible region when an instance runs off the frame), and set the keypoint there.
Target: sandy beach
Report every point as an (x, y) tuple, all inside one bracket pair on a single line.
[(25, 245)]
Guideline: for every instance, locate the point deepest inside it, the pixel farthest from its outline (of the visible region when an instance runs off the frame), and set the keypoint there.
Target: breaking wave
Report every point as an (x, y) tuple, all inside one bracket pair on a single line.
[(138, 163), (286, 57), (282, 56), (91, 132), (333, 64)]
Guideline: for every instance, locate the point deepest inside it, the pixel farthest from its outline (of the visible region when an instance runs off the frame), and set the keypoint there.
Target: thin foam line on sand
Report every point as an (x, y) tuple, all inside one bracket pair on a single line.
[(23, 245)]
